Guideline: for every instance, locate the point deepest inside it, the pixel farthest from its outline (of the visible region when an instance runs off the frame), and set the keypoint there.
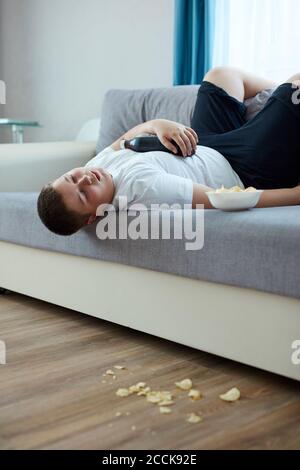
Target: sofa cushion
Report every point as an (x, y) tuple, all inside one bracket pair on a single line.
[(124, 109), (259, 248)]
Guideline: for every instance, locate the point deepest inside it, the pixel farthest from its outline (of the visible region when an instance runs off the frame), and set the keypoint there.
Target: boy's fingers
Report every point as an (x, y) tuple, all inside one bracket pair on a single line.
[(169, 145), (194, 133), (181, 143), (192, 139), (188, 144)]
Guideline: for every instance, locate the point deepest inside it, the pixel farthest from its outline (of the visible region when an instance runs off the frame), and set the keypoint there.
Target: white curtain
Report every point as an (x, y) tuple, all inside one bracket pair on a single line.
[(261, 36)]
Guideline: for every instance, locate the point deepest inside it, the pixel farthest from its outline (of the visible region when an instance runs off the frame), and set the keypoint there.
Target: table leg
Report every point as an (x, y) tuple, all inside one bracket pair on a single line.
[(17, 134)]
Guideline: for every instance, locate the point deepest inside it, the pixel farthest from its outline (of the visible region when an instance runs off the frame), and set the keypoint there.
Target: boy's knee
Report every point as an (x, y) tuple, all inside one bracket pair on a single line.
[(217, 73), (228, 78), (294, 79)]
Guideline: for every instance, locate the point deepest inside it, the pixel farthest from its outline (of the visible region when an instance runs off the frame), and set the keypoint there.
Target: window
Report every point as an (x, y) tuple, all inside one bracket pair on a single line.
[(261, 36)]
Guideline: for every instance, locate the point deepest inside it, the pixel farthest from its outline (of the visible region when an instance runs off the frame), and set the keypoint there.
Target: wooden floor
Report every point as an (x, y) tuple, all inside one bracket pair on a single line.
[(52, 395)]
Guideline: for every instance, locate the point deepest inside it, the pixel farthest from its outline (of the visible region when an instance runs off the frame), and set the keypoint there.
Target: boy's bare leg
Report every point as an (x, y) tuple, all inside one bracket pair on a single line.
[(295, 79), (237, 83)]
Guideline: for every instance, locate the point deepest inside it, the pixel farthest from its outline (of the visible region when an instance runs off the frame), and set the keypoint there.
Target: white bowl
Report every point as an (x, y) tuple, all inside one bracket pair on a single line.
[(235, 201)]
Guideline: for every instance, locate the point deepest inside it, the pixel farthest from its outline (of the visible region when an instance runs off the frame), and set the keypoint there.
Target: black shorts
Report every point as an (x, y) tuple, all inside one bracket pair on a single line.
[(265, 151)]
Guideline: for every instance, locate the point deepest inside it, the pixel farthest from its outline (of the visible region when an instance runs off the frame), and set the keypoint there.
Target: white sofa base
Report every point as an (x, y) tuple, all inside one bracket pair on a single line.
[(248, 326)]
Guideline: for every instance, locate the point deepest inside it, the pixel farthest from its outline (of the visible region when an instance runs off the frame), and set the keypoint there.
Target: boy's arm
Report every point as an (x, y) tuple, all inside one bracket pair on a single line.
[(199, 196), (280, 197), (269, 198), (145, 127), (167, 132)]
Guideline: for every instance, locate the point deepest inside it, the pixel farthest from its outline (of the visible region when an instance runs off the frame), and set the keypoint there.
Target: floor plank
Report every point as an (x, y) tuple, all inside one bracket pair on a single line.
[(52, 395)]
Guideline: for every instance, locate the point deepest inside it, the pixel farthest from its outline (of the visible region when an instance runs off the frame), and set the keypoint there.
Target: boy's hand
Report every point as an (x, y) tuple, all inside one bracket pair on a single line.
[(168, 131), (297, 194)]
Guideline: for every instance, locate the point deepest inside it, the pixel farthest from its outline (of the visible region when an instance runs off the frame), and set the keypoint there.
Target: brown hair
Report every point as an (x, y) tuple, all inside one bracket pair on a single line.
[(55, 215)]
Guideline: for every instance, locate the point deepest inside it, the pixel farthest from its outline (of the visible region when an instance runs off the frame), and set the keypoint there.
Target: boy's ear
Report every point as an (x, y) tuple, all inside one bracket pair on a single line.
[(91, 219)]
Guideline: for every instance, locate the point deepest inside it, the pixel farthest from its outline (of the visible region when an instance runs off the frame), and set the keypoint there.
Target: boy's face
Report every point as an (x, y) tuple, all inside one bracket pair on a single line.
[(84, 189)]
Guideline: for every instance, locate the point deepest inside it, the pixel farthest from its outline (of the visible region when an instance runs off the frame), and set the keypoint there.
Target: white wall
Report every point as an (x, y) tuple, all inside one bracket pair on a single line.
[(58, 57)]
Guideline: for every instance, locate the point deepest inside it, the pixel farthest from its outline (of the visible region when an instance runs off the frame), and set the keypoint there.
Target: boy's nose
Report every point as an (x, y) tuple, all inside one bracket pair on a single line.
[(85, 179)]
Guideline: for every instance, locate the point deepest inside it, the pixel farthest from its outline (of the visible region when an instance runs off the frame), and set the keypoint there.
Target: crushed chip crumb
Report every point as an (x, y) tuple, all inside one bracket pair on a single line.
[(133, 428), (158, 396), (153, 398), (118, 413), (194, 418), (120, 367), (185, 384), (165, 410), (144, 391), (166, 402), (110, 372), (122, 392), (141, 384), (194, 394), (232, 395)]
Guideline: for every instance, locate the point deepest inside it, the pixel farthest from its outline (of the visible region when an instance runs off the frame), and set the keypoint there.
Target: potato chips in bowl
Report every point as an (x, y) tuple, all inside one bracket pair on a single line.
[(235, 198)]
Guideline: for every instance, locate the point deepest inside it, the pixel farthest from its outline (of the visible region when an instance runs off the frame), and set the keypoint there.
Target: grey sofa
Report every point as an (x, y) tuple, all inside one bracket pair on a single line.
[(238, 297)]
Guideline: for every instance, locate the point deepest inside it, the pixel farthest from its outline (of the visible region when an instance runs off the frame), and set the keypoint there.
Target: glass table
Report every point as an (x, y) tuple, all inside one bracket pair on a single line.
[(17, 128)]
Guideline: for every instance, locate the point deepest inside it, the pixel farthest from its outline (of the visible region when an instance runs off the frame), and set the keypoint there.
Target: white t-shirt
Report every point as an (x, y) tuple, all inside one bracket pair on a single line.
[(161, 177)]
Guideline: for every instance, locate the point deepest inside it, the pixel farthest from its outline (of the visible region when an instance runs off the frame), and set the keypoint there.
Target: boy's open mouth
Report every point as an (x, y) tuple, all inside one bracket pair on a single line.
[(97, 174)]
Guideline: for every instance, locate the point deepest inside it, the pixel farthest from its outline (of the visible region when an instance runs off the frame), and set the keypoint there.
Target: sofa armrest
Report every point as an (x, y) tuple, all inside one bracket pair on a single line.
[(27, 167)]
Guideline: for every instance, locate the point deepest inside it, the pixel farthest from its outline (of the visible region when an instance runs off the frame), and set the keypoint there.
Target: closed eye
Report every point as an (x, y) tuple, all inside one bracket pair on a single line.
[(85, 195), (81, 194)]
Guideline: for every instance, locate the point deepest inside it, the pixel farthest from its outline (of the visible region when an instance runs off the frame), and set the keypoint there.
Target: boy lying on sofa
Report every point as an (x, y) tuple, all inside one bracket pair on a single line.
[(263, 152)]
